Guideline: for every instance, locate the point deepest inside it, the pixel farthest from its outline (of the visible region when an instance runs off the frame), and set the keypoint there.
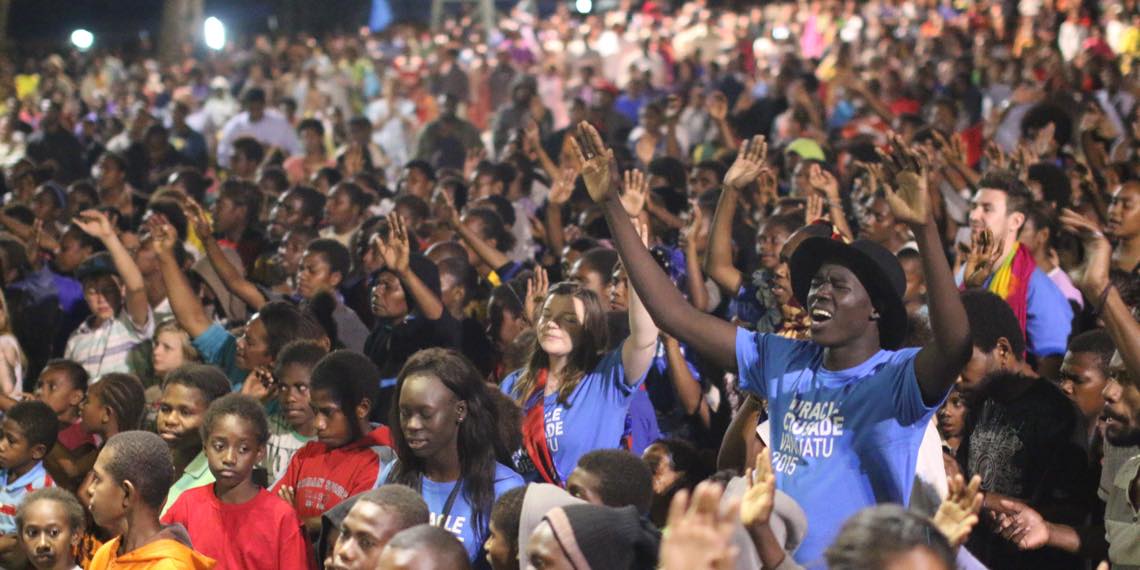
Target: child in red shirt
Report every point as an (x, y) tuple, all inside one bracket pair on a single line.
[(234, 432), (349, 453)]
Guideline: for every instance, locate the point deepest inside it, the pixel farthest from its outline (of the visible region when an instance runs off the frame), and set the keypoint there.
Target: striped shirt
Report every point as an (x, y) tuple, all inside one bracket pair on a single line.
[(104, 349), (12, 493)]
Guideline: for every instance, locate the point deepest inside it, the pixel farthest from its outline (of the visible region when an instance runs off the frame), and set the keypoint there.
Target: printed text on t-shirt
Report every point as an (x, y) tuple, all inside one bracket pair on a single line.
[(808, 429)]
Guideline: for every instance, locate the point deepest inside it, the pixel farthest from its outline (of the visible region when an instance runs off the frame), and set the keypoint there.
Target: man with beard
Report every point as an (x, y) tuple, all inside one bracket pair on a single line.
[(1025, 442)]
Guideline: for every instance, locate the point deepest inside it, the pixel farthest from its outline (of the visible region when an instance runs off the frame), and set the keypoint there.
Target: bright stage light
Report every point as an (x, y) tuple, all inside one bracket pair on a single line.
[(214, 32), (82, 39)]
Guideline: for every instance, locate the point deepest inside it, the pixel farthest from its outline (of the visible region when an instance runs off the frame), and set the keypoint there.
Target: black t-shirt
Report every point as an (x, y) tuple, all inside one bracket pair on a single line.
[(390, 344), (1029, 449)]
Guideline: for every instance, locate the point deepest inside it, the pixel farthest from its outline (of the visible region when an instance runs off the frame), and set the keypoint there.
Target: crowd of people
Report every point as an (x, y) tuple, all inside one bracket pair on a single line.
[(814, 285)]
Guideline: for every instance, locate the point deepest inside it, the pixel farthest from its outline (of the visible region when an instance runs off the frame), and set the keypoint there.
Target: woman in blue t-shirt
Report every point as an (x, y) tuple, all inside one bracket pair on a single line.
[(447, 443), (575, 397)]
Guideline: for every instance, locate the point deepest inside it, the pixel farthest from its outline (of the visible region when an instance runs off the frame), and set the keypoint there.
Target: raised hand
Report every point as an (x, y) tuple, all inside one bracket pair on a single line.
[(446, 210), (536, 289), (163, 237), (635, 191), (595, 160), (905, 184), (563, 186), (995, 156), (260, 384), (1092, 277), (958, 513), (749, 164), (717, 106), (471, 162), (823, 182), (700, 531), (693, 229), (95, 224), (396, 249), (758, 501), (196, 214), (814, 210), (981, 257)]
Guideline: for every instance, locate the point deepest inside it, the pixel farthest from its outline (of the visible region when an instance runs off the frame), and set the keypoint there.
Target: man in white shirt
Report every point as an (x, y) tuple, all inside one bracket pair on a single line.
[(268, 126)]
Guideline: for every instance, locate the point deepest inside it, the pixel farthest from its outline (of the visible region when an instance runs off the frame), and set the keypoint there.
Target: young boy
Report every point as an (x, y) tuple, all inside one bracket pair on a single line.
[(294, 424), (235, 431), (131, 479), (50, 523), (187, 393), (114, 289), (27, 433), (349, 453)]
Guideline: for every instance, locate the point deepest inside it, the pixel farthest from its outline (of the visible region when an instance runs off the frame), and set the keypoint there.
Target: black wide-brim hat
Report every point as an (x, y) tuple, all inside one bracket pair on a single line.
[(877, 269)]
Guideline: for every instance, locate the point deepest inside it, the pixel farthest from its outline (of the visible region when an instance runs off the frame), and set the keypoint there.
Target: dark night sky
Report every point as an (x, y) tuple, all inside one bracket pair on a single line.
[(45, 21)]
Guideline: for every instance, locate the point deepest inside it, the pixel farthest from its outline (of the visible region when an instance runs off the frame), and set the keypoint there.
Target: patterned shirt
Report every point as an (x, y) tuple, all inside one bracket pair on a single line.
[(105, 349), (1122, 519), (12, 493)]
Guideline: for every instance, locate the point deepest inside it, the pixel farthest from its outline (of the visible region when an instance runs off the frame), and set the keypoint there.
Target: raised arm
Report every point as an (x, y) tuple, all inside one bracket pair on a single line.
[(709, 335), (639, 349), (96, 224), (688, 388), (939, 362), (694, 276), (491, 256), (745, 170), (1098, 289), (185, 304), (717, 108), (229, 275), (396, 253), (559, 194)]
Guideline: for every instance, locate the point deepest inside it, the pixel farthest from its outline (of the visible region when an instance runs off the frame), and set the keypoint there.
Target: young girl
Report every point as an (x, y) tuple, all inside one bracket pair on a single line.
[(575, 397), (50, 523), (447, 443), (235, 431)]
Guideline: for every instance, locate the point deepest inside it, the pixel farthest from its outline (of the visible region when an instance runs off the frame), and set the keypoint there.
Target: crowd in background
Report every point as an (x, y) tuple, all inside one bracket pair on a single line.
[(803, 285)]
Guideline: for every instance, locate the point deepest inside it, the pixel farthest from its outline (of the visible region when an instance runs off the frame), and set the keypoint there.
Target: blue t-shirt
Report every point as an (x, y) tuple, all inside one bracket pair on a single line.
[(841, 440), (594, 419), (461, 519), (1048, 315)]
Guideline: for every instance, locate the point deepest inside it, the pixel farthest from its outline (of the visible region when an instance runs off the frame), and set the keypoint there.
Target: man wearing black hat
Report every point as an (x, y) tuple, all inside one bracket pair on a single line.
[(848, 410)]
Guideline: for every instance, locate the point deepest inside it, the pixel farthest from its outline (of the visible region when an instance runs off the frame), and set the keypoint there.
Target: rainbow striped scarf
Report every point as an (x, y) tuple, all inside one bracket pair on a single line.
[(1011, 281)]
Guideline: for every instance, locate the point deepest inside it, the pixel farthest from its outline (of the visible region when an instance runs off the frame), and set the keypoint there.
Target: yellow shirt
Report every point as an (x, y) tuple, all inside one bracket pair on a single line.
[(163, 554)]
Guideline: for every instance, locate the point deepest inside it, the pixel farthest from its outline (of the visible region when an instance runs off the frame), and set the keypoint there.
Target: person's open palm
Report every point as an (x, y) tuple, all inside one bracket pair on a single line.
[(958, 513), (749, 163), (700, 531), (981, 257), (760, 498), (1022, 525), (563, 186), (536, 288), (635, 191), (95, 224), (197, 216), (395, 250), (905, 187), (1092, 277), (595, 160), (163, 237)]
